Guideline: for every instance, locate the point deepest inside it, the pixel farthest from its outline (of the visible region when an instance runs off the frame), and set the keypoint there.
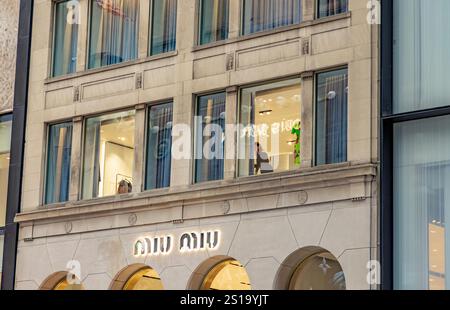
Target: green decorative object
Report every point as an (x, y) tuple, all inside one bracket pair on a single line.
[(296, 130)]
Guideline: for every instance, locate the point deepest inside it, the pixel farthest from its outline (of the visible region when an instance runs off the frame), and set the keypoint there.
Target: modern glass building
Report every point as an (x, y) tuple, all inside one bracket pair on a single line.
[(200, 144), (415, 148)]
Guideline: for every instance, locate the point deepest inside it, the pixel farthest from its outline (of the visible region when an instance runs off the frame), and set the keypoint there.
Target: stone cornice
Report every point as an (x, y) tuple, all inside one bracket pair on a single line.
[(209, 193)]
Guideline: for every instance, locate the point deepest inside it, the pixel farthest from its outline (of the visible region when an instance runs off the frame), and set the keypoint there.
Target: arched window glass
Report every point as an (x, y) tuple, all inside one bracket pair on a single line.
[(227, 275), (320, 271)]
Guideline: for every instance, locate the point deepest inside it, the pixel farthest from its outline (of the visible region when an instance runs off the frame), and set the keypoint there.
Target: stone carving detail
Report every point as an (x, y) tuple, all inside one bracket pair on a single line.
[(9, 20), (76, 94), (139, 80), (305, 46), (230, 62), (68, 227), (132, 219), (302, 197)]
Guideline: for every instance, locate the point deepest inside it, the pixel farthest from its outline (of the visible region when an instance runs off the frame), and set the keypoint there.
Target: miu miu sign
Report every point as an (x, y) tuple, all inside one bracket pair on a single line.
[(186, 243)]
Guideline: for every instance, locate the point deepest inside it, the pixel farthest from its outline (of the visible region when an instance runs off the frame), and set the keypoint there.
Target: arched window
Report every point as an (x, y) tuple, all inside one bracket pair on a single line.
[(310, 268), (137, 277), (220, 273), (59, 281), (320, 271)]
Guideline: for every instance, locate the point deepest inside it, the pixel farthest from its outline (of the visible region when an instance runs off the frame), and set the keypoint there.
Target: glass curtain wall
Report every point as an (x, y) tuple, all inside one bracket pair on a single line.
[(65, 37), (261, 15), (159, 146), (114, 32), (332, 7), (163, 26), (331, 117), (58, 163), (421, 63), (210, 137), (213, 21), (108, 155), (422, 204)]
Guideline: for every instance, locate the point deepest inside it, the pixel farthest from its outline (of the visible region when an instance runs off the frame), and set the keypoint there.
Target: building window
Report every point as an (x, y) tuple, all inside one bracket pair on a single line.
[(146, 279), (58, 163), (422, 204), (227, 275), (331, 117), (159, 146), (421, 43), (108, 155), (320, 271), (210, 137), (163, 26), (271, 128), (5, 144), (114, 32), (213, 21), (65, 39), (332, 7), (270, 14)]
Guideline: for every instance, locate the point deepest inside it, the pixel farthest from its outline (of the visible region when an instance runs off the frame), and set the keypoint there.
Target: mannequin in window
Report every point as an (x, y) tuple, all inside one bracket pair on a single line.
[(125, 187), (262, 161)]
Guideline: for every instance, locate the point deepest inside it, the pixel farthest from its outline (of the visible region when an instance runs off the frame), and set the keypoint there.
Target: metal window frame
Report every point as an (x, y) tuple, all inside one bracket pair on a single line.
[(18, 143)]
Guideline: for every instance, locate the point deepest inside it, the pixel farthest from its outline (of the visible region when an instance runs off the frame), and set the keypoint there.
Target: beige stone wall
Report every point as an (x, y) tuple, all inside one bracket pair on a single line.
[(9, 20), (99, 227)]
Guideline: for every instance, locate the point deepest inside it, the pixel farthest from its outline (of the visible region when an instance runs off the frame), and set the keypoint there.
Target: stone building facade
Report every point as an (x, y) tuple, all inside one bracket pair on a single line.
[(269, 223), (9, 17), (9, 20)]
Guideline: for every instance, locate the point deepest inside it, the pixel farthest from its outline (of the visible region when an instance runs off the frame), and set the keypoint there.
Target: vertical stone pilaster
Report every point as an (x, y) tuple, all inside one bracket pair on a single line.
[(307, 120), (182, 166), (230, 134), (139, 149), (234, 30), (308, 9), (144, 27), (83, 35), (76, 158)]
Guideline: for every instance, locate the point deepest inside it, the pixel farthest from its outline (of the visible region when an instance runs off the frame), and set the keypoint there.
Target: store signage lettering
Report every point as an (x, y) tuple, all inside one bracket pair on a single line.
[(186, 243)]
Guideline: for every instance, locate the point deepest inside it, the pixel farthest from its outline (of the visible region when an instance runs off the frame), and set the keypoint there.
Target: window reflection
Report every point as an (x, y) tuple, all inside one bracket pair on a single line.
[(228, 275), (108, 155), (270, 136), (421, 204), (270, 14), (114, 32), (320, 271)]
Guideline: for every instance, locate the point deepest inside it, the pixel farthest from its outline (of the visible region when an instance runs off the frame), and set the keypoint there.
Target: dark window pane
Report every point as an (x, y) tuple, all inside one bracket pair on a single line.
[(159, 146), (163, 26), (58, 163), (331, 121), (66, 37), (261, 15), (209, 139), (114, 32), (332, 7), (213, 21)]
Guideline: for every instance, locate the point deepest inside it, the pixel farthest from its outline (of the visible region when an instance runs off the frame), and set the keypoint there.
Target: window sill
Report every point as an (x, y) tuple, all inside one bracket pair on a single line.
[(110, 67), (203, 186), (260, 34)]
